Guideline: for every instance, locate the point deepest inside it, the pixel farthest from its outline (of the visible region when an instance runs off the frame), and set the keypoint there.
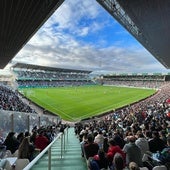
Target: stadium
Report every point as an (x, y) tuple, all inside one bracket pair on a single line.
[(66, 118)]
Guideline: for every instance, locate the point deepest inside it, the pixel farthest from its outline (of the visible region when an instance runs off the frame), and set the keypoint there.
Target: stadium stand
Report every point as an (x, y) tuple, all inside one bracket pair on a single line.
[(149, 118), (39, 76), (145, 80), (10, 100)]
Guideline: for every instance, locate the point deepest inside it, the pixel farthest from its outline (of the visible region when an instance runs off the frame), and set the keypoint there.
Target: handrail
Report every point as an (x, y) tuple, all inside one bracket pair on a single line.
[(48, 148)]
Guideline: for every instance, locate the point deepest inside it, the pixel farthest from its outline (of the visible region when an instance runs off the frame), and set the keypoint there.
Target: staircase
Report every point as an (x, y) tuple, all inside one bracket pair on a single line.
[(71, 157)]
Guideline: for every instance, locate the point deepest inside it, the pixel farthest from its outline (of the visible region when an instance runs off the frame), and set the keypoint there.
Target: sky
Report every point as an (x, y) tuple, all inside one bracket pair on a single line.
[(83, 35)]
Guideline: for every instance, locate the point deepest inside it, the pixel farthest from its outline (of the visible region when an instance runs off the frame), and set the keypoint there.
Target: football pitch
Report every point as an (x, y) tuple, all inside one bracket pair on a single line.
[(77, 103)]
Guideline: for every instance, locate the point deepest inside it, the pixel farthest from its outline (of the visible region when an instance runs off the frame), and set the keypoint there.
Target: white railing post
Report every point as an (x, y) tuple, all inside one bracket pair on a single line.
[(49, 159), (62, 146), (67, 135), (64, 141)]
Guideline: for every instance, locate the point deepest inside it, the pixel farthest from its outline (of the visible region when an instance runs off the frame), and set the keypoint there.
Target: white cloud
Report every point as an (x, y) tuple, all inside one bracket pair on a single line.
[(84, 31), (58, 43)]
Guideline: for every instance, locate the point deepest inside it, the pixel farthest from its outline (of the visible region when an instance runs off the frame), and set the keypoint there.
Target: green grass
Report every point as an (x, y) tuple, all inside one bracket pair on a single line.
[(76, 103)]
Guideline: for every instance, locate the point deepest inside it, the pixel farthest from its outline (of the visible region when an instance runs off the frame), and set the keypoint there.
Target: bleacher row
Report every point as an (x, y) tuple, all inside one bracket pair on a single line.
[(49, 75), (143, 84), (53, 78), (146, 81)]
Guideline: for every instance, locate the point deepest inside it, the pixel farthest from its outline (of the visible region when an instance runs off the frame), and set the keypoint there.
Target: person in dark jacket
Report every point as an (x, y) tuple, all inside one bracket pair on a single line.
[(91, 148), (156, 144), (164, 155), (101, 159), (11, 142)]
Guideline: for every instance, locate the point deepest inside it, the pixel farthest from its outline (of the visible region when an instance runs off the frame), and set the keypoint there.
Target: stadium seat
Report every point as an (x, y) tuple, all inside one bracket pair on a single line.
[(144, 168), (162, 167), (7, 154), (21, 164)]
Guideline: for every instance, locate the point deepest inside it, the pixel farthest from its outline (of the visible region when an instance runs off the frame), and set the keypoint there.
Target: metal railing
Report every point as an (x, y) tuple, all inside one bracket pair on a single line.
[(64, 139)]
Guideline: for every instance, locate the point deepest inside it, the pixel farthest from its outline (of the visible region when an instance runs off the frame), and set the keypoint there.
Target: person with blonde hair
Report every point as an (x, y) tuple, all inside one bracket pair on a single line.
[(133, 166), (26, 149)]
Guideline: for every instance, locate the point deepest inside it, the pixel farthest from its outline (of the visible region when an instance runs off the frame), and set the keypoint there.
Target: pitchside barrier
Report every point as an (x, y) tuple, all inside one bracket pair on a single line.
[(21, 122)]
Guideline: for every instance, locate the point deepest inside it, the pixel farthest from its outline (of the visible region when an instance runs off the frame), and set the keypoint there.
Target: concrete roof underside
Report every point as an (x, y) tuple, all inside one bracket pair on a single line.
[(148, 21), (19, 20), (32, 67)]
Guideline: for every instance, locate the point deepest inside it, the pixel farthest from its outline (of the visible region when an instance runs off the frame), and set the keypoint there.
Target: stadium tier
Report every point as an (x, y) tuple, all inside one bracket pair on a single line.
[(40, 76), (136, 80)]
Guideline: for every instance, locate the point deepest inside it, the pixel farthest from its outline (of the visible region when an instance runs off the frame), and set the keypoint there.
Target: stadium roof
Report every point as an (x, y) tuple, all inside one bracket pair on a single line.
[(20, 19), (148, 21), (37, 67)]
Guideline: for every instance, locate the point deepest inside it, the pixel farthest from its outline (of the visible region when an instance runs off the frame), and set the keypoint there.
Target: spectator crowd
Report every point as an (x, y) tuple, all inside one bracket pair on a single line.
[(11, 101), (55, 78), (126, 137)]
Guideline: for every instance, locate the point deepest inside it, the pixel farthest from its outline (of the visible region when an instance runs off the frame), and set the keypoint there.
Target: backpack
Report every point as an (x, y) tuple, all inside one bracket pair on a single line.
[(94, 165)]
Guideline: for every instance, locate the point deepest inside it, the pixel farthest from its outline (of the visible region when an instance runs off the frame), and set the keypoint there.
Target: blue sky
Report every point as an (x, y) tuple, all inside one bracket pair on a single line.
[(83, 35)]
